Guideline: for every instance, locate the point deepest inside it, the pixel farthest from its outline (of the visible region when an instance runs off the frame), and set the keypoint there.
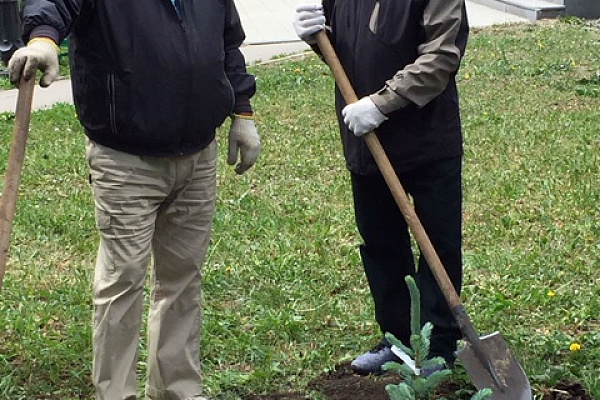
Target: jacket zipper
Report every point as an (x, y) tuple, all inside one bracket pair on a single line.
[(187, 46), (112, 108)]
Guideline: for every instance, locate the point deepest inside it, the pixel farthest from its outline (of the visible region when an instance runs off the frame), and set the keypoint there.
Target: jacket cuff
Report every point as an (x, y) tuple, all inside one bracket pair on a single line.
[(46, 31), (388, 101), (242, 105)]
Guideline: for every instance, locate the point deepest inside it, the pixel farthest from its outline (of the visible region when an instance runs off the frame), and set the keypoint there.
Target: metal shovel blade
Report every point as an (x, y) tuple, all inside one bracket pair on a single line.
[(514, 384)]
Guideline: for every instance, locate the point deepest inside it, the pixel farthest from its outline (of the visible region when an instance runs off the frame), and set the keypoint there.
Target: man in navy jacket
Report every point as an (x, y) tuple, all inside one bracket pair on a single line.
[(152, 81)]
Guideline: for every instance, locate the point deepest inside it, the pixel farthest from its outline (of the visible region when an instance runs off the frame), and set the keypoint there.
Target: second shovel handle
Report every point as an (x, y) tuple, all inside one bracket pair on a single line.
[(391, 178), (12, 176)]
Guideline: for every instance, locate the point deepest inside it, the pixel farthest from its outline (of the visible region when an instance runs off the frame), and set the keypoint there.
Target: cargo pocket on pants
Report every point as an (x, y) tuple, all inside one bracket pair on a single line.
[(106, 258)]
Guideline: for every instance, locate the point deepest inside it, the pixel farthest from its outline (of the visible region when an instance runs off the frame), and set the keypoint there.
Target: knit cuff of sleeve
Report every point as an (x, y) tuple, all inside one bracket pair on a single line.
[(242, 105), (45, 31)]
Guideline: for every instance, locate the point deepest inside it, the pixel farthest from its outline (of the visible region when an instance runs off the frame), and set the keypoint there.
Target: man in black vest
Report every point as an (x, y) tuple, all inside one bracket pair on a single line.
[(401, 56)]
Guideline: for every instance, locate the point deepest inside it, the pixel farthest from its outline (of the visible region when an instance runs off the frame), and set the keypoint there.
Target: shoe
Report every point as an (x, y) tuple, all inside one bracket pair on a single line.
[(428, 371), (372, 361)]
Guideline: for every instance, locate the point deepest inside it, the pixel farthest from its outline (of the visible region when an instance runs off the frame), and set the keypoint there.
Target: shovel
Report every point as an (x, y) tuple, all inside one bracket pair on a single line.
[(12, 177), (487, 359)]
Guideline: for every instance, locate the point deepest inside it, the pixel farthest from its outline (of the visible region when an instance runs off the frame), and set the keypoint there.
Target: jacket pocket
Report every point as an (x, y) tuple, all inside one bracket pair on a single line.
[(118, 104), (112, 108), (102, 220), (232, 92), (221, 101), (103, 225)]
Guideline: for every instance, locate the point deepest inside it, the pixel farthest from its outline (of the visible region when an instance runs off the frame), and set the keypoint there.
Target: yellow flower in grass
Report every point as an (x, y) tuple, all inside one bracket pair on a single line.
[(574, 347), (551, 293)]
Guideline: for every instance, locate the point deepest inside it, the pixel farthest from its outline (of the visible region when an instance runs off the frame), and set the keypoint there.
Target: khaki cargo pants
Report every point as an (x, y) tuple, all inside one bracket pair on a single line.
[(144, 206)]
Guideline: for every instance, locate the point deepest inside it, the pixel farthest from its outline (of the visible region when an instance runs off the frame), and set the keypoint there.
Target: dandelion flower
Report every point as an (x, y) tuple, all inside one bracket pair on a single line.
[(551, 293), (575, 347)]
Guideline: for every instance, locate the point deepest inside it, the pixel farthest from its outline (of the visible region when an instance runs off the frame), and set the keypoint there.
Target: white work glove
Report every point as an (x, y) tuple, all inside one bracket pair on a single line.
[(243, 139), (40, 53), (308, 20), (363, 116)]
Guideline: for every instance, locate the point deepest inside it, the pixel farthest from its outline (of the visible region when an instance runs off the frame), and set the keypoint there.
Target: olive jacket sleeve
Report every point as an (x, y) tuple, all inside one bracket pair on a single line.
[(438, 59)]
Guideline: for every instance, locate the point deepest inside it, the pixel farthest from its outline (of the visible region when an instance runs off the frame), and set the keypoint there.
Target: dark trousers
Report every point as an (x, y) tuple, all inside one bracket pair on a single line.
[(436, 191)]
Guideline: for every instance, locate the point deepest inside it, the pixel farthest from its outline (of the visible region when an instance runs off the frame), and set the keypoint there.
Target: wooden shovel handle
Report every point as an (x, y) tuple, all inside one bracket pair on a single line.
[(12, 177), (391, 178)]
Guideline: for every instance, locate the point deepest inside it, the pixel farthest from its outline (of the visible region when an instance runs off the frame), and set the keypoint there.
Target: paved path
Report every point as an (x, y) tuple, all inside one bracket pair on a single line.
[(270, 21), (269, 33)]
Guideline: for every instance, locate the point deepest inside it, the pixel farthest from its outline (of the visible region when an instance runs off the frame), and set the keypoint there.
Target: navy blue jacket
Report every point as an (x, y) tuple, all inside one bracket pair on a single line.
[(146, 79)]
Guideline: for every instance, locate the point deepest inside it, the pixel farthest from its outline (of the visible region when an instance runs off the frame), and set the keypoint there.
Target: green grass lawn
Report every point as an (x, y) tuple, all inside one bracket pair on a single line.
[(286, 298)]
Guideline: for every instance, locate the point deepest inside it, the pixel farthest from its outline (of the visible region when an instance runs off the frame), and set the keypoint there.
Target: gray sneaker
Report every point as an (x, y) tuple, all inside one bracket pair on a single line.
[(371, 361), (427, 371)]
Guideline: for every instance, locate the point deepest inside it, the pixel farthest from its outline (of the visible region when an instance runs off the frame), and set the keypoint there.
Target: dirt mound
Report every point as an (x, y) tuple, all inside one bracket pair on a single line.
[(343, 384)]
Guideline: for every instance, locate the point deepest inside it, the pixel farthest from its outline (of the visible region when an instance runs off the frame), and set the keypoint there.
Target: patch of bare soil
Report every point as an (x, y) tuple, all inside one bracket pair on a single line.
[(566, 390), (343, 384)]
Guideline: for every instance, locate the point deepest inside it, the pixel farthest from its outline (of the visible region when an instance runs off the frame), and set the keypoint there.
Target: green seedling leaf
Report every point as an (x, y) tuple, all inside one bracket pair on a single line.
[(424, 387), (415, 305), (400, 368), (483, 394), (395, 342), (400, 392), (434, 362), (437, 377), (427, 330)]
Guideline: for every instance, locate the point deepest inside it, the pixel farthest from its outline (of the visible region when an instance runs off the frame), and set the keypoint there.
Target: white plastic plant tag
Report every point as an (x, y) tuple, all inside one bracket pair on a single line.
[(406, 359)]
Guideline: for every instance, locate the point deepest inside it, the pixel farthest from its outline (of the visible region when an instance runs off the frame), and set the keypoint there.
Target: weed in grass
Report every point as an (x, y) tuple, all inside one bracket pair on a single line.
[(589, 86), (5, 83), (7, 116)]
